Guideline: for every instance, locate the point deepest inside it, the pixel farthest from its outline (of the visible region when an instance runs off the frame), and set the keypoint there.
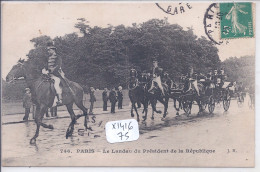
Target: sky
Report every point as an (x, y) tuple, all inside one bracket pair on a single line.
[(22, 21)]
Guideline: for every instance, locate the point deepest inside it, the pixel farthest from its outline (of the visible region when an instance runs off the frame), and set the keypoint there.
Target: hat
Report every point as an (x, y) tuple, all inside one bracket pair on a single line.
[(27, 89), (50, 46), (119, 87)]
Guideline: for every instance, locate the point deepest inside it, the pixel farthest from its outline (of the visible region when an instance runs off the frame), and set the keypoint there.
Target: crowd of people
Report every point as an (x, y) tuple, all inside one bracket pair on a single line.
[(113, 96)]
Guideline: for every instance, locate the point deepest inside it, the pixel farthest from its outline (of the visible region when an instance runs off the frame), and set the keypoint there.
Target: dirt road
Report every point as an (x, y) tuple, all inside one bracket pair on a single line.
[(218, 139)]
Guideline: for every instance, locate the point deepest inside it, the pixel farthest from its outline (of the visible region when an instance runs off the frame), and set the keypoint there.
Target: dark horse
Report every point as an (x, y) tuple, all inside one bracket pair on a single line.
[(137, 94), (175, 93), (155, 95), (43, 95)]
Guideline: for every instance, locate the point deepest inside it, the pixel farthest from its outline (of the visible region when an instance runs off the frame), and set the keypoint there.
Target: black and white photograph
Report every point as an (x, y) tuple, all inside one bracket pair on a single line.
[(143, 84)]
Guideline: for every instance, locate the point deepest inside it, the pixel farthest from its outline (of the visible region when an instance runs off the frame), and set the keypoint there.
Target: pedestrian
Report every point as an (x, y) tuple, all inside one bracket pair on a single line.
[(27, 103), (120, 97), (105, 99), (113, 100), (92, 100)]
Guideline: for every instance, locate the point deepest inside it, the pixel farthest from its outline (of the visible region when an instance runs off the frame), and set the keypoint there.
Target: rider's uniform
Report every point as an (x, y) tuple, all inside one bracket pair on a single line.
[(133, 77), (157, 74), (55, 72)]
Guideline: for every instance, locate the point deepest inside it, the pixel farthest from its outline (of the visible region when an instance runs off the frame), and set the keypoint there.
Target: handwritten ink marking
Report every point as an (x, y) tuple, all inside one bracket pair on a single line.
[(121, 131)]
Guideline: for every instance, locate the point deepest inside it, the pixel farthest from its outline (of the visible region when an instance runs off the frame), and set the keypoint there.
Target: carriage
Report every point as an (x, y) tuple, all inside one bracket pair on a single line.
[(211, 95), (206, 99), (222, 94)]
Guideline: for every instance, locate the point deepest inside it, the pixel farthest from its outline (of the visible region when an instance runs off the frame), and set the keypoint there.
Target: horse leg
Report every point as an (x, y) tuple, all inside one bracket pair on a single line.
[(165, 104), (145, 110), (132, 109), (85, 113), (55, 109), (153, 103), (165, 107), (73, 120), (145, 103), (175, 106), (40, 111), (200, 106), (136, 113)]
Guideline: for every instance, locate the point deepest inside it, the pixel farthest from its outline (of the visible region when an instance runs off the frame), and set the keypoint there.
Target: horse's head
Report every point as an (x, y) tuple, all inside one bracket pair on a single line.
[(17, 72)]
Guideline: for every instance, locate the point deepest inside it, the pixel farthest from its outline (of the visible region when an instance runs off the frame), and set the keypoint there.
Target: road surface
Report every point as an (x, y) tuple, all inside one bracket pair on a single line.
[(227, 138)]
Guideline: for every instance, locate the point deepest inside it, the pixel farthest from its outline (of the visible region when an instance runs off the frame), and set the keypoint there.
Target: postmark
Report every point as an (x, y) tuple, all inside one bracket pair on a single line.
[(174, 9), (237, 20), (211, 23), (222, 23)]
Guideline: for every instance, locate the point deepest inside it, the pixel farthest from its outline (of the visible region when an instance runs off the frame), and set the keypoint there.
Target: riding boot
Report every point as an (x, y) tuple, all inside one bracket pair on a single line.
[(59, 102)]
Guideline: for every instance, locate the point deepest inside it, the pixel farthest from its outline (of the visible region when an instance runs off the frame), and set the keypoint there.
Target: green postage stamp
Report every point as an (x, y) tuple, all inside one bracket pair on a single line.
[(236, 20)]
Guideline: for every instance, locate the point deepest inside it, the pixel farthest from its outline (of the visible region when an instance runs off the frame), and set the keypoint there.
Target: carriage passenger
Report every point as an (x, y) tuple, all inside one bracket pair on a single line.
[(167, 80)]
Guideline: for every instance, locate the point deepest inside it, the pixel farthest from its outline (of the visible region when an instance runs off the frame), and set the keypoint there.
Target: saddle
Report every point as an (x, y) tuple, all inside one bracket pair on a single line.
[(64, 86)]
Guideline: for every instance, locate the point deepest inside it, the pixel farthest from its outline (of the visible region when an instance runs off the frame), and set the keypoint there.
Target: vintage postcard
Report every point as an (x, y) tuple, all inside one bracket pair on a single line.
[(147, 84)]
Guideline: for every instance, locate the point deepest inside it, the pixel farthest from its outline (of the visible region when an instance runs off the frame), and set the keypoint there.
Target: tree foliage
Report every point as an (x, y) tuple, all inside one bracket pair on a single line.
[(102, 57), (241, 69)]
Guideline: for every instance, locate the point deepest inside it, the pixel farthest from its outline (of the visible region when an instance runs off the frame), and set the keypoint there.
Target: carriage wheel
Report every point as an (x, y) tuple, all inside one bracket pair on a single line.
[(226, 101), (187, 107), (226, 104), (203, 105), (211, 104)]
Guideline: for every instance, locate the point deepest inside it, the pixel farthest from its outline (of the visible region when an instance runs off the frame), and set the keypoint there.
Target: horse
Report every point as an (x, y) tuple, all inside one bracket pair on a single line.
[(155, 95), (43, 95), (137, 95), (175, 93)]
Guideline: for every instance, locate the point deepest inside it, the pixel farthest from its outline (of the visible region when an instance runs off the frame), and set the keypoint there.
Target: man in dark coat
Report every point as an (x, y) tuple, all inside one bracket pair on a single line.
[(113, 99), (92, 99), (27, 103), (105, 99), (120, 97)]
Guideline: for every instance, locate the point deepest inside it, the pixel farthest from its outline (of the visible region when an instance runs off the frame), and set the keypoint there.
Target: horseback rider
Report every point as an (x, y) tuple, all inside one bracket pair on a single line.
[(156, 73), (53, 69), (133, 78)]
